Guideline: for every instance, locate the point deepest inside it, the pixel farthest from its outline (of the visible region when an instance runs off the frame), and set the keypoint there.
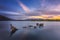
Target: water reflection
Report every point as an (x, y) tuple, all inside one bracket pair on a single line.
[(50, 31), (4, 30)]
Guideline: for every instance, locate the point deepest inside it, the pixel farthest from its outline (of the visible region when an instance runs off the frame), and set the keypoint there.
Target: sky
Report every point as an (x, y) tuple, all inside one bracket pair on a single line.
[(23, 9)]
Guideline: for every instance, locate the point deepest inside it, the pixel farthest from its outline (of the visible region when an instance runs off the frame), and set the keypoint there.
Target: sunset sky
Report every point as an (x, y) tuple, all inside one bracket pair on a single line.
[(24, 9)]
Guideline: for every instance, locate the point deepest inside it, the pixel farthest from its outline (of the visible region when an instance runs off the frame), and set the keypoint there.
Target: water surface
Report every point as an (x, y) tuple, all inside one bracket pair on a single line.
[(50, 31)]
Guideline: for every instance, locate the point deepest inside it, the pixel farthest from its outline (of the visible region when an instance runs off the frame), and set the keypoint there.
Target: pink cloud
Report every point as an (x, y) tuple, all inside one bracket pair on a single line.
[(24, 7)]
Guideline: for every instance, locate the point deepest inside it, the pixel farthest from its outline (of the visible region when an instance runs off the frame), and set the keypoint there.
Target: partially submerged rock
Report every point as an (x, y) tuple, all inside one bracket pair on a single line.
[(13, 30)]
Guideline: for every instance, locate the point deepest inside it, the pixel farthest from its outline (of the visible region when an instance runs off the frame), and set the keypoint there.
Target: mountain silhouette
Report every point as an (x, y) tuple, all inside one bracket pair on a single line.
[(3, 18)]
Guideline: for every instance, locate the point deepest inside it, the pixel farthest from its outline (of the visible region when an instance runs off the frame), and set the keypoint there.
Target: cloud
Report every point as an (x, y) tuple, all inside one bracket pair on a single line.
[(10, 13), (24, 7), (33, 14), (50, 9), (43, 3), (13, 15), (54, 8), (53, 2), (43, 12)]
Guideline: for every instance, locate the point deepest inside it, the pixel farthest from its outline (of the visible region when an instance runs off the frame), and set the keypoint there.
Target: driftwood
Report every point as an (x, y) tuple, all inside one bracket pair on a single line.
[(13, 30)]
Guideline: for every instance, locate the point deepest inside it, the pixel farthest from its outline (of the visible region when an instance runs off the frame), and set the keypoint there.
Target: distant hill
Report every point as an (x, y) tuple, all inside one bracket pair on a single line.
[(3, 18), (34, 19), (42, 20)]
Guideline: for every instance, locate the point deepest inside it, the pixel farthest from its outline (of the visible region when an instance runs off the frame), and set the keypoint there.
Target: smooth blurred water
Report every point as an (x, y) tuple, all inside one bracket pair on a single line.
[(50, 31)]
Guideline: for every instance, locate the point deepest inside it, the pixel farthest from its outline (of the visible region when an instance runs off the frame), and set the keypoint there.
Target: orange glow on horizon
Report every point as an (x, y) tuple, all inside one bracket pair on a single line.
[(46, 17)]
